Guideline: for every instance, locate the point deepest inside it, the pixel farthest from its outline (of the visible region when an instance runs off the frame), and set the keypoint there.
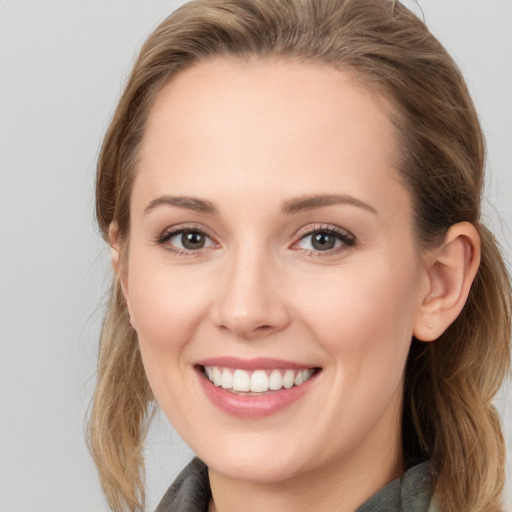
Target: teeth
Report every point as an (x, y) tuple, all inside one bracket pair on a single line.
[(227, 379), (241, 380), (275, 380), (217, 377), (259, 381), (288, 379)]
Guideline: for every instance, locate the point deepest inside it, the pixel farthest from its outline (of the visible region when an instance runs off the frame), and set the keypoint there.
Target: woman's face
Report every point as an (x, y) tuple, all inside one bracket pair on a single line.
[(272, 242)]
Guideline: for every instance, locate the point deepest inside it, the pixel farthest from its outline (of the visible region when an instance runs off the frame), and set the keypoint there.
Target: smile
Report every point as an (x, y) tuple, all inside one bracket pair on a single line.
[(257, 381), (255, 388)]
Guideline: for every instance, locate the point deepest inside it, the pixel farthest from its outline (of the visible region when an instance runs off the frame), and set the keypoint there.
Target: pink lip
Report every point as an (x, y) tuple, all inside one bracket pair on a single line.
[(252, 406)]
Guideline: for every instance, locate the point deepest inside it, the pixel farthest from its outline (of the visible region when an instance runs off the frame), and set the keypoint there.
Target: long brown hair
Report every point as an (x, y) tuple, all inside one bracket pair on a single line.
[(450, 384)]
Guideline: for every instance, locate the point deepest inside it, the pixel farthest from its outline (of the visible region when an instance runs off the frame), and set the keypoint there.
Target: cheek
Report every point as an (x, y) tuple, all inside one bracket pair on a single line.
[(363, 320), (167, 307), (166, 304), (363, 313)]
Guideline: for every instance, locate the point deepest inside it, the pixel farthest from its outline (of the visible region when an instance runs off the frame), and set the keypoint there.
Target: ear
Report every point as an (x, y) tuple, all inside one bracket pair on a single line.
[(451, 270), (113, 236), (115, 259)]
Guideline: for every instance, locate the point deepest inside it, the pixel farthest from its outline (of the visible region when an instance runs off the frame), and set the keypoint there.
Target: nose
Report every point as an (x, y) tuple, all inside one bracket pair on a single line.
[(251, 301)]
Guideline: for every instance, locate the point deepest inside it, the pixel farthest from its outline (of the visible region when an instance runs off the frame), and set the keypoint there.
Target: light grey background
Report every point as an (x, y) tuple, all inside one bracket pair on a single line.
[(62, 65)]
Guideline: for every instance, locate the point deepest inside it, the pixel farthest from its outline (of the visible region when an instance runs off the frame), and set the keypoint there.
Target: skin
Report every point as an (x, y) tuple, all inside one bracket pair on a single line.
[(248, 137)]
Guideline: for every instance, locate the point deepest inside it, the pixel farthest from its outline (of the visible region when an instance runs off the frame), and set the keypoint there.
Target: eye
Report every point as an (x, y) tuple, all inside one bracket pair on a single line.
[(325, 239), (185, 240), (190, 240)]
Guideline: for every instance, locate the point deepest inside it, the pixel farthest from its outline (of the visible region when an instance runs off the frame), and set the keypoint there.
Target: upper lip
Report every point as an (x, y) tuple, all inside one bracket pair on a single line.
[(259, 363)]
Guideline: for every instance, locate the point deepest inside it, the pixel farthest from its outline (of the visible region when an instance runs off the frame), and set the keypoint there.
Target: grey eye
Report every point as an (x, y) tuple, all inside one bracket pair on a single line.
[(192, 240), (322, 241), (187, 240)]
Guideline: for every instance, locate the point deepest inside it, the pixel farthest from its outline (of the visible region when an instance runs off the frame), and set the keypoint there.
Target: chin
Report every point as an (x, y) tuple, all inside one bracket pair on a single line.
[(256, 471), (258, 465)]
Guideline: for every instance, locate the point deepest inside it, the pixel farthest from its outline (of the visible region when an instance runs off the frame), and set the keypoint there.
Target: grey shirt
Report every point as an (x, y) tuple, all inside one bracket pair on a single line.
[(412, 492)]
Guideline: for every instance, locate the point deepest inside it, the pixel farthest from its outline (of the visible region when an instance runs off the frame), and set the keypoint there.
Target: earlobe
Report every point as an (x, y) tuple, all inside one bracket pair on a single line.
[(451, 272)]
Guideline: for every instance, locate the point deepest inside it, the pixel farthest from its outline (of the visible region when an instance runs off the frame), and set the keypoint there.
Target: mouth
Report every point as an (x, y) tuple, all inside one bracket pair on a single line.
[(258, 381), (255, 388)]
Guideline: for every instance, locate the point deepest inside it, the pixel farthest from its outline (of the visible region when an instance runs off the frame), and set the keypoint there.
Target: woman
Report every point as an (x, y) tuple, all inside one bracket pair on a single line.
[(291, 191)]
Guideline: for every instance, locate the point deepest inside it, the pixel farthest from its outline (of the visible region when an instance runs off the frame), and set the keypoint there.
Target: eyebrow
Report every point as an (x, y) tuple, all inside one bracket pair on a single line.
[(290, 206), (310, 202), (189, 203)]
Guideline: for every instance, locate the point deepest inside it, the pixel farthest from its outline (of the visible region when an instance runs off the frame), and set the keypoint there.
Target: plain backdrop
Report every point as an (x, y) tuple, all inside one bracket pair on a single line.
[(62, 66)]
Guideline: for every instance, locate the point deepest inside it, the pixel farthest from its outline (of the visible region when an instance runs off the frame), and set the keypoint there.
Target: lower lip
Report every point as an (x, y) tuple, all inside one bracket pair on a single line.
[(253, 406)]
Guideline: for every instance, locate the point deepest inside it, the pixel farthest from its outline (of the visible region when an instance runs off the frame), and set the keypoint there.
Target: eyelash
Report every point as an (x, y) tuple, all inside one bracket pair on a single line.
[(345, 237)]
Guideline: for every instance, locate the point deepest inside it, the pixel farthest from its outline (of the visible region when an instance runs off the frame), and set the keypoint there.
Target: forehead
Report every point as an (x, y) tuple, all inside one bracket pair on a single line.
[(244, 125)]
